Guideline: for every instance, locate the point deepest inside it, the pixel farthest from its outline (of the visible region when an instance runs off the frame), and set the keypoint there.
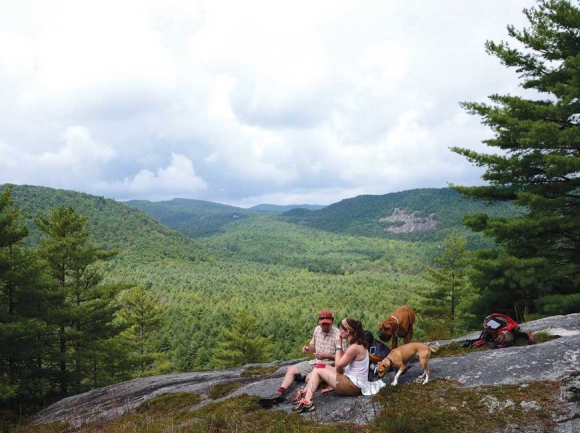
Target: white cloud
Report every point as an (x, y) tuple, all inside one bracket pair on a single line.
[(385, 64), (306, 101), (220, 106), (79, 148), (81, 53), (77, 157), (176, 180)]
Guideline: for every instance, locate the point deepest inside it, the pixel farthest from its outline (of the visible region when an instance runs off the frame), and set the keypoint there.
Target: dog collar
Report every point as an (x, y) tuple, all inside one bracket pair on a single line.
[(397, 320)]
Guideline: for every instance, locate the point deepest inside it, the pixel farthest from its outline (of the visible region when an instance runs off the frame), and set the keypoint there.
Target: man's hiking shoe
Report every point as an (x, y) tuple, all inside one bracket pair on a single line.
[(272, 400), (304, 406), (299, 395)]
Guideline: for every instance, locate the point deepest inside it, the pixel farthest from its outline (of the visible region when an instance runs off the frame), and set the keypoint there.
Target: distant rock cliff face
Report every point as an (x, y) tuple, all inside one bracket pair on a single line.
[(402, 222), (556, 360)]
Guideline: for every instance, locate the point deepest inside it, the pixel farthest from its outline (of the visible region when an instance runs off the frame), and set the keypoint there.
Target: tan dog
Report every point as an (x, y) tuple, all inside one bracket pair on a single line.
[(400, 355), (399, 324)]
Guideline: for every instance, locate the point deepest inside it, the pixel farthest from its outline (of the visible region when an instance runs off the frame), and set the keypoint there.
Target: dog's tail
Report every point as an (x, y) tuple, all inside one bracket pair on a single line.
[(434, 349)]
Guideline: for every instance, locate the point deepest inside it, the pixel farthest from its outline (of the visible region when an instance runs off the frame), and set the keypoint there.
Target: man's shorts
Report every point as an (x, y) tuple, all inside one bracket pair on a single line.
[(344, 385), (305, 368)]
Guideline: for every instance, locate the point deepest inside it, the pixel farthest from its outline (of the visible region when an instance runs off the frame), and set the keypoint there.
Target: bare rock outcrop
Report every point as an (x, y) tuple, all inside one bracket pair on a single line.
[(558, 359), (402, 222)]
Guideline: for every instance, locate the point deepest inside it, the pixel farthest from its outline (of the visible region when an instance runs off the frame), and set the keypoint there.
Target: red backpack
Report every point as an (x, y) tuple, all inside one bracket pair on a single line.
[(500, 331)]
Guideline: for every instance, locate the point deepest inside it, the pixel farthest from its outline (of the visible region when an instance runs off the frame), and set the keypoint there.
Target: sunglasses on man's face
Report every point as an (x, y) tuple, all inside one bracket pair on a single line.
[(326, 317)]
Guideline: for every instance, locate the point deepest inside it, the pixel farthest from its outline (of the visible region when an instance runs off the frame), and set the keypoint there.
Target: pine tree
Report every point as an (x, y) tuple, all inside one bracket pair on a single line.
[(24, 302), (537, 166), (86, 316), (11, 233), (242, 344), (12, 229), (449, 278), (144, 314)]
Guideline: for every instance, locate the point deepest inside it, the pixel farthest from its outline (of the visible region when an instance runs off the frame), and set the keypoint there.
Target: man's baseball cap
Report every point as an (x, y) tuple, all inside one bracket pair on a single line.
[(325, 316)]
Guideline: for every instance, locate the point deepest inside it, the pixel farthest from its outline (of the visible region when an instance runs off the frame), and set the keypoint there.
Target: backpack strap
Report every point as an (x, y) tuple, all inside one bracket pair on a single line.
[(528, 336)]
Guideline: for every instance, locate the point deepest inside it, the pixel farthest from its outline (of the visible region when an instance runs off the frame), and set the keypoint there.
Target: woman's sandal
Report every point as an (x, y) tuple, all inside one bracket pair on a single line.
[(299, 395), (304, 406)]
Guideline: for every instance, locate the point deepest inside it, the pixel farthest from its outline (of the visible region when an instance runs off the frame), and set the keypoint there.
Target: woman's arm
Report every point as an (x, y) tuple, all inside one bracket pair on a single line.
[(342, 359)]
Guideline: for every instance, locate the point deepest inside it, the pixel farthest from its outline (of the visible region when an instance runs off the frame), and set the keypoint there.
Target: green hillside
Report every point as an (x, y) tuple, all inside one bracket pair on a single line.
[(115, 226), (268, 240), (357, 216), (194, 218), (360, 216), (282, 274), (285, 208)]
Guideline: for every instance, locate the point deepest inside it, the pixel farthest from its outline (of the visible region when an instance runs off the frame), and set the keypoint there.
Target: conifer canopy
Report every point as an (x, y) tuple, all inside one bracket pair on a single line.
[(536, 164)]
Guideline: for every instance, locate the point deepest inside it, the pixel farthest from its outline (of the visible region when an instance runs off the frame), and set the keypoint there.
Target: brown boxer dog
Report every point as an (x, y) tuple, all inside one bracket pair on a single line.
[(398, 357), (399, 324)]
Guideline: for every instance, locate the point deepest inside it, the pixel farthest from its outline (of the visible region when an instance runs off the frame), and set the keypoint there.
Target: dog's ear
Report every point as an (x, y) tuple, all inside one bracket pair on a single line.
[(385, 328), (381, 370), (382, 367)]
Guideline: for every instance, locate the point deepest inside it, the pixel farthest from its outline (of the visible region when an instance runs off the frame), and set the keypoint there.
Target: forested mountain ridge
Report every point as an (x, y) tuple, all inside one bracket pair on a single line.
[(133, 227), (194, 218), (115, 226), (286, 208), (200, 218), (366, 215)]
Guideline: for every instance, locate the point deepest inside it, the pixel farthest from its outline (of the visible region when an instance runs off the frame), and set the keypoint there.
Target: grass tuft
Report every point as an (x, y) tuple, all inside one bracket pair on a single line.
[(169, 402), (222, 389), (257, 370), (455, 349), (54, 427), (543, 337)]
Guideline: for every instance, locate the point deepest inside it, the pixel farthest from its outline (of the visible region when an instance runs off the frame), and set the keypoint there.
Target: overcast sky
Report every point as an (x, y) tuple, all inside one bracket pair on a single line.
[(246, 102)]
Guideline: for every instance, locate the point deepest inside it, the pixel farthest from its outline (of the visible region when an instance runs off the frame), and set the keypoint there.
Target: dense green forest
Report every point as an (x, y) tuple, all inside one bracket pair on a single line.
[(272, 241), (206, 296), (274, 269), (59, 330), (358, 216), (137, 236), (199, 218), (285, 208), (194, 218)]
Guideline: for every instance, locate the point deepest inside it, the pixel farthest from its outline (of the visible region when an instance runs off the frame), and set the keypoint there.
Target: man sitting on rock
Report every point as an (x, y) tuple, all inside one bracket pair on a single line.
[(323, 347)]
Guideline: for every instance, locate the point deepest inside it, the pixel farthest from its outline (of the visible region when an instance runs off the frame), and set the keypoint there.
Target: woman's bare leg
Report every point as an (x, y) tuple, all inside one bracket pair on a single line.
[(327, 375)]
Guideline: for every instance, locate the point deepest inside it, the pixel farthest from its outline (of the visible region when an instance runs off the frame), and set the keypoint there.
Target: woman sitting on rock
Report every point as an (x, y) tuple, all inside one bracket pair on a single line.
[(349, 376)]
